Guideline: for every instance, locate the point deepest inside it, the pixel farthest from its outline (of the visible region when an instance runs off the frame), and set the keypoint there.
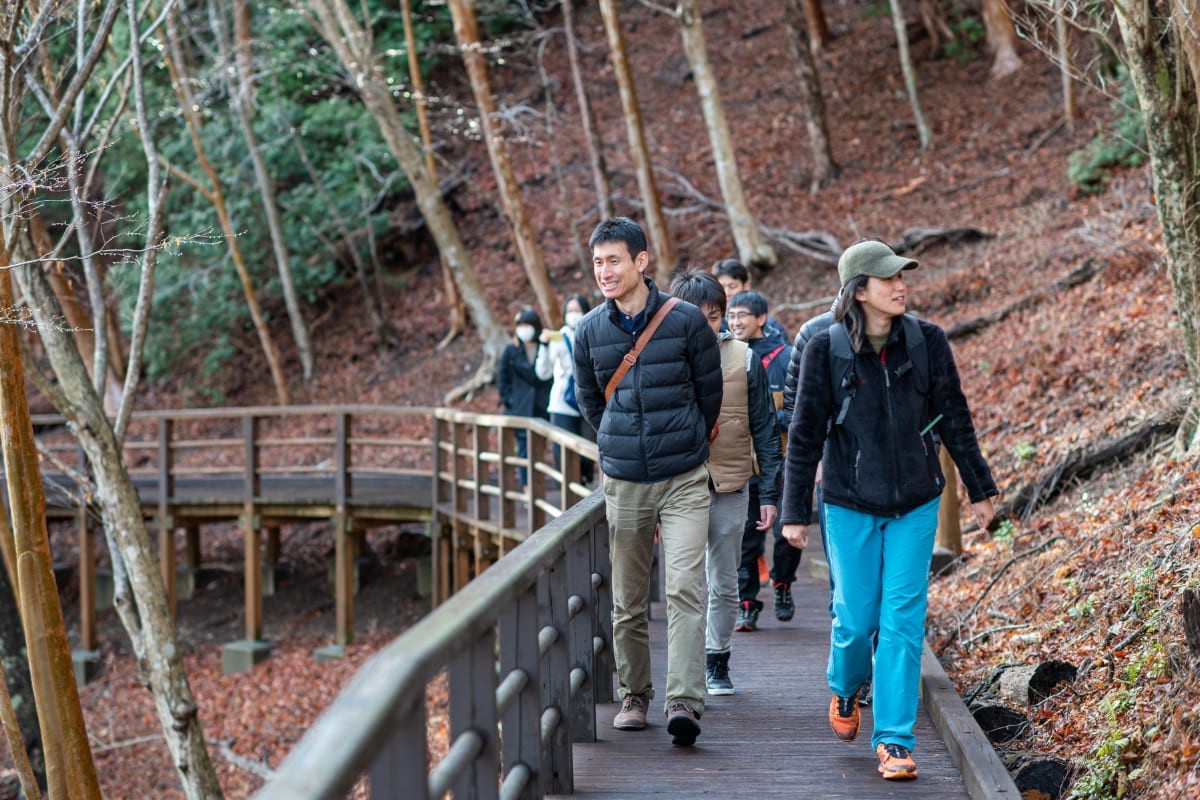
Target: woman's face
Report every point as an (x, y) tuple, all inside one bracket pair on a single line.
[(573, 305), (885, 297)]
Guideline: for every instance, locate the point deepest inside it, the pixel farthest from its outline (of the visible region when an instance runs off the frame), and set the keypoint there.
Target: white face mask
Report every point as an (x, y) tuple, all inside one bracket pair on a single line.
[(572, 318), (525, 333)]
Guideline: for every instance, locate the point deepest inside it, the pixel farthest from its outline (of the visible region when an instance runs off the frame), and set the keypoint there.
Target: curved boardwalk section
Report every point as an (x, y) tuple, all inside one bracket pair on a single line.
[(769, 740)]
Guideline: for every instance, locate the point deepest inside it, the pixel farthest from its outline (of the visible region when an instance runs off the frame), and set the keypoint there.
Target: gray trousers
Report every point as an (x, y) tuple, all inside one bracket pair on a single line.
[(726, 521)]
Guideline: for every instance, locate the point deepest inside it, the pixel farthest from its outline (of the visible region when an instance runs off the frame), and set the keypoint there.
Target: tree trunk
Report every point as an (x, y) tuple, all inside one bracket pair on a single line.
[(454, 300), (661, 243), (1001, 38), (334, 22), (25, 740), (910, 74), (824, 170), (753, 250), (1171, 120), (818, 28), (243, 101), (466, 31), (70, 772), (216, 195), (595, 144), (139, 594), (1066, 64)]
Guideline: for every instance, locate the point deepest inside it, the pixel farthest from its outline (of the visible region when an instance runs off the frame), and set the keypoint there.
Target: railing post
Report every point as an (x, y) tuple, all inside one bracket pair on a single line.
[(536, 518), (436, 578), (557, 762), (473, 708), (250, 533), (522, 722), (579, 639), (602, 671), (166, 526), (402, 757), (343, 546)]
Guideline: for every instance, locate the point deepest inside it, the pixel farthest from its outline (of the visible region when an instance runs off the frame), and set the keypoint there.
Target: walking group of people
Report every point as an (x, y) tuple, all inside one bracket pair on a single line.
[(694, 397)]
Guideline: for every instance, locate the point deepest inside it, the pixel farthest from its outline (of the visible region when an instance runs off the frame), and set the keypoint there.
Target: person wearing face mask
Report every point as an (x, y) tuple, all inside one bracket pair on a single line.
[(555, 362), (522, 392)]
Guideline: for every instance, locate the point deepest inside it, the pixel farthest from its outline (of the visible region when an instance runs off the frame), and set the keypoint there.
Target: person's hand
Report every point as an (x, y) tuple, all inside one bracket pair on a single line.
[(796, 535), (766, 517), (985, 512)]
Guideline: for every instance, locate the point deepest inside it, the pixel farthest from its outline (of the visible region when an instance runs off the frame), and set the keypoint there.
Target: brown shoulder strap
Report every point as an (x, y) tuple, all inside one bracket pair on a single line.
[(631, 357)]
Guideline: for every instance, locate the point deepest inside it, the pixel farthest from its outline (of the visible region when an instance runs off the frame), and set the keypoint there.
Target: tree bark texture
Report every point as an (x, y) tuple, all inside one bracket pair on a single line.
[(1066, 64), (1001, 38), (70, 772), (661, 243), (909, 72), (337, 25), (466, 31), (753, 250), (595, 145), (243, 102), (139, 593), (1168, 102), (824, 169), (21, 726)]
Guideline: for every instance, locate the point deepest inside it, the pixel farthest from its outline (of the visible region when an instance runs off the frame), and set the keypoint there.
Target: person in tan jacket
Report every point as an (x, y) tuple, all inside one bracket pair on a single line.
[(746, 428)]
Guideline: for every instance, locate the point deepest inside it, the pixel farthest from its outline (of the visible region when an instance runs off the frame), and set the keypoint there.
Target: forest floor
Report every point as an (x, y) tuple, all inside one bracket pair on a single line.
[(1091, 578)]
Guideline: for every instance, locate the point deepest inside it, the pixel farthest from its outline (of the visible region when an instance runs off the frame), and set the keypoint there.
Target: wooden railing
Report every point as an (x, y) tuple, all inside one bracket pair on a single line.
[(545, 609)]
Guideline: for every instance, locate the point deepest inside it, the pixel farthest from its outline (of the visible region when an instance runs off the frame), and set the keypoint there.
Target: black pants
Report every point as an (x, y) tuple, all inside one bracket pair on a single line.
[(785, 557)]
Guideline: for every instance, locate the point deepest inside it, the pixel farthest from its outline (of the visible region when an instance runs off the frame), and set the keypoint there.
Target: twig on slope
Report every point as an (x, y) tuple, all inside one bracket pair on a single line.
[(248, 764), (999, 574)]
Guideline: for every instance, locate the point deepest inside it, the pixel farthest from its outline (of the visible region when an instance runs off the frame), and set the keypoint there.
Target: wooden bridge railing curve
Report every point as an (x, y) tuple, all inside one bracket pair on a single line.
[(527, 649), (357, 466)]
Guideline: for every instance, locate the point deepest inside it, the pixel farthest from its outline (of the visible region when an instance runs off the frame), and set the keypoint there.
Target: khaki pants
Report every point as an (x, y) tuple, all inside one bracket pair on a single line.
[(680, 504)]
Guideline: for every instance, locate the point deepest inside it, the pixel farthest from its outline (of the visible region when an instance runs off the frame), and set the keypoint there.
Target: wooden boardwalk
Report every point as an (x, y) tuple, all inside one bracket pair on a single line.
[(769, 740)]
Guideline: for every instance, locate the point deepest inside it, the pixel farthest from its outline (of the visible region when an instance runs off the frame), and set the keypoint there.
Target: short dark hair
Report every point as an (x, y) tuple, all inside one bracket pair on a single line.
[(619, 229), (732, 268), (699, 288), (750, 300)]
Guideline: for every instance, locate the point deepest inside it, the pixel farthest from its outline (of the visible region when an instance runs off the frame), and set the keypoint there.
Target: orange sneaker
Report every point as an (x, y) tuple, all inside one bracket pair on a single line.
[(844, 717), (895, 762)]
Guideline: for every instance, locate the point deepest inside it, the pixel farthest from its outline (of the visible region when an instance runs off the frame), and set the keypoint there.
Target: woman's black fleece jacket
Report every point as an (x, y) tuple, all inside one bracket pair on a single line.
[(877, 462)]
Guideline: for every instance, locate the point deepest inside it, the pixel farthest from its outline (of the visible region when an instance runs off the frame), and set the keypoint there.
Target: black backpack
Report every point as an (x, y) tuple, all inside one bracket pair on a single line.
[(841, 363)]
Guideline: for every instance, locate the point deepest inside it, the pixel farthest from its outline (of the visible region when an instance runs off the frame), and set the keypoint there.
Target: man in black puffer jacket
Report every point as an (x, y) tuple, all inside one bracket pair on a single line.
[(652, 434)]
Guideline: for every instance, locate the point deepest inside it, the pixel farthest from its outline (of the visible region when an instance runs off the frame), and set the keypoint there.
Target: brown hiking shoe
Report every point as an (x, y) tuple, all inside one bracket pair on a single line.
[(683, 723), (844, 717), (632, 716), (895, 762)]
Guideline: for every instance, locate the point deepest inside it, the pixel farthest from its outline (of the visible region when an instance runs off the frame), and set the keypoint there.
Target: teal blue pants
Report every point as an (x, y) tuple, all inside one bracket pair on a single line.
[(880, 572)]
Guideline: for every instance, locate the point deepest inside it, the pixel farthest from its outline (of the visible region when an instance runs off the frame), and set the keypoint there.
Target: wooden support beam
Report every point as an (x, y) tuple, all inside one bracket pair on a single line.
[(343, 579), (87, 581)]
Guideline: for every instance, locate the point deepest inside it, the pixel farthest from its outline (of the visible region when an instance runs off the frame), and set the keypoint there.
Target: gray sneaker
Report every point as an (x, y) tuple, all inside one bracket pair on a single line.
[(716, 674), (683, 723), (632, 716)]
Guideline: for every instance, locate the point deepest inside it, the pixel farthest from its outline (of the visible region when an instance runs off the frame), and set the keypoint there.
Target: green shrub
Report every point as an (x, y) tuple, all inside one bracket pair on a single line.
[(1124, 146)]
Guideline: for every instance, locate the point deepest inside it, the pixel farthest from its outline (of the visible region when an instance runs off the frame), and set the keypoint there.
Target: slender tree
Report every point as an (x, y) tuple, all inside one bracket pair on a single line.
[(1161, 50), (334, 21), (824, 170), (753, 249), (818, 27), (215, 194), (587, 119), (242, 96), (454, 301), (466, 31), (661, 243), (910, 74), (139, 595)]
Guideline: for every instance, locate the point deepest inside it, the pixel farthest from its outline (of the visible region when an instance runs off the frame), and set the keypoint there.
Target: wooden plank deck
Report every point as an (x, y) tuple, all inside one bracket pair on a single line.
[(771, 739)]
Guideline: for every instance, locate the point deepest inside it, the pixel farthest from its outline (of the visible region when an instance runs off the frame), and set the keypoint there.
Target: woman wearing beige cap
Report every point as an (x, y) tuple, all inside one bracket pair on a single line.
[(878, 391)]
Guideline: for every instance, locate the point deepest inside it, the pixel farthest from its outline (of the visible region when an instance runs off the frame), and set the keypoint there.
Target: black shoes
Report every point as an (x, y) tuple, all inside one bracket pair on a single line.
[(785, 608)]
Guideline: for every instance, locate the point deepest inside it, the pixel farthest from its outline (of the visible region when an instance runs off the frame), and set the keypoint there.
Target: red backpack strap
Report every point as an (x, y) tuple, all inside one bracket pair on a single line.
[(769, 357)]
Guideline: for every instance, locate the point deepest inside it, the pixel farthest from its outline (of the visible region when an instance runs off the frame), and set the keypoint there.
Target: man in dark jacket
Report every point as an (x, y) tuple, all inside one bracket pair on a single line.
[(748, 321), (652, 434)]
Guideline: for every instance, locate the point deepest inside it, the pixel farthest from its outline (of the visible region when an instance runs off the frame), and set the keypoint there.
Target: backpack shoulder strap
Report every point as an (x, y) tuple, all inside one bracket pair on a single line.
[(918, 353), (841, 369)]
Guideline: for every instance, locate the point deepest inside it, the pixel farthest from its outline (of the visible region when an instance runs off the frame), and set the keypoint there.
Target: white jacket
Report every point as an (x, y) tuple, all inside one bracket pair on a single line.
[(554, 361)]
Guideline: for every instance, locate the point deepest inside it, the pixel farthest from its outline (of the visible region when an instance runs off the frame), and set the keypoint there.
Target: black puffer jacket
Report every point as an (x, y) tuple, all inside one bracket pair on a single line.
[(658, 422), (877, 462), (807, 331)]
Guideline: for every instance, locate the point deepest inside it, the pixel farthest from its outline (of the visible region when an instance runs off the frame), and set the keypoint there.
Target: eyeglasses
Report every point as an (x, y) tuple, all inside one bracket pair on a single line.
[(740, 314)]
